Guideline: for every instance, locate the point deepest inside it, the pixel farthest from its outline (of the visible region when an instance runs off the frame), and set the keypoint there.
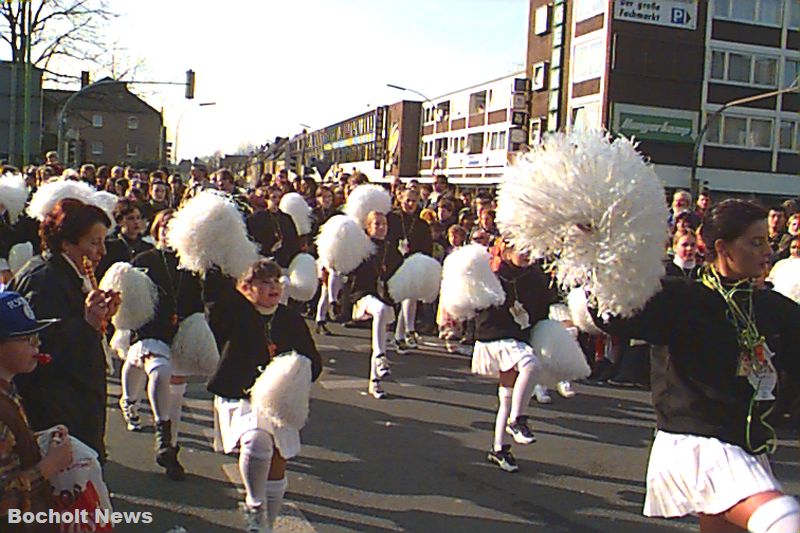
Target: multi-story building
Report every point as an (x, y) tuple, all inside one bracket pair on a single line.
[(470, 135), (662, 70), (105, 124), (12, 112)]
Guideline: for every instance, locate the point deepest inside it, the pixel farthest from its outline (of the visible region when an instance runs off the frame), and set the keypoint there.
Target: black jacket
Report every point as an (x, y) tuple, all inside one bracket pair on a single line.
[(267, 228), (411, 227), (179, 294), (529, 286), (241, 335), (72, 389), (695, 388), (119, 249), (671, 269), (374, 271)]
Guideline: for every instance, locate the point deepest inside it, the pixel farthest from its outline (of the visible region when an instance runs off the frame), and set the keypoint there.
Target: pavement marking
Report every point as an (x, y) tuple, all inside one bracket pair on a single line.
[(336, 384), (291, 519)]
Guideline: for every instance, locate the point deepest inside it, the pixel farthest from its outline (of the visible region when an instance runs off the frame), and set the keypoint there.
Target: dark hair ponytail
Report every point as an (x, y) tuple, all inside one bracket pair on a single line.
[(728, 220)]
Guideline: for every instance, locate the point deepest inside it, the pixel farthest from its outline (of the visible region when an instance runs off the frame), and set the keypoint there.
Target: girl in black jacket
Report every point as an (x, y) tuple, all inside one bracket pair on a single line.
[(502, 346), (251, 327), (370, 296), (684, 263), (714, 385)]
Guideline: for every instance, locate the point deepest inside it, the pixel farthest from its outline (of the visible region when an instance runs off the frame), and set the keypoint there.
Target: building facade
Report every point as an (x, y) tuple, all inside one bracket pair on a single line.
[(470, 135), (660, 71), (106, 124), (12, 83)]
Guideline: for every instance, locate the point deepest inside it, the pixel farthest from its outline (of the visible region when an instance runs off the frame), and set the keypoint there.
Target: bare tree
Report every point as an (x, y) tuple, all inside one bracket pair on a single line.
[(60, 30)]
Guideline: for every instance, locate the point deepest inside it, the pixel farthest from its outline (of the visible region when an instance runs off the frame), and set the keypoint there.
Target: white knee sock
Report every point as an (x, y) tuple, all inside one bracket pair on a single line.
[(523, 387), (176, 393), (779, 515), (504, 395), (380, 319), (322, 305), (255, 457), (276, 489), (133, 380), (158, 391)]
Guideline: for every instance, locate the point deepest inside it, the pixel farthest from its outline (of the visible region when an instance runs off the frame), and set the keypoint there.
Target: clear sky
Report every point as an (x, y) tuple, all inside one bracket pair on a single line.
[(271, 65)]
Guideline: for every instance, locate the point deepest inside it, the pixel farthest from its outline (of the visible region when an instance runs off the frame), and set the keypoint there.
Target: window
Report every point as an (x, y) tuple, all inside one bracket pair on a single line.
[(743, 132), (132, 150), (477, 103), (535, 132), (133, 123), (97, 120), (541, 20), (97, 147), (789, 136), (588, 61), (584, 9), (744, 68), (765, 12), (585, 117), (790, 72), (794, 13), (475, 143), (539, 82)]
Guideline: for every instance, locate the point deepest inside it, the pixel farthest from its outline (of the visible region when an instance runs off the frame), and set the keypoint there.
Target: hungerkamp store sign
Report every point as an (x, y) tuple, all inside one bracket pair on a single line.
[(655, 124)]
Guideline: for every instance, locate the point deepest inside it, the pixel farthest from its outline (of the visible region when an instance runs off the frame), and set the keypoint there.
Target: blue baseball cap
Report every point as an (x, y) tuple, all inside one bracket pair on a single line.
[(17, 318)]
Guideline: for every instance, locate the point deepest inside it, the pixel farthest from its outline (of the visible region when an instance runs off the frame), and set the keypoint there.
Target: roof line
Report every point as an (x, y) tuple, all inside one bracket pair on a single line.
[(513, 74)]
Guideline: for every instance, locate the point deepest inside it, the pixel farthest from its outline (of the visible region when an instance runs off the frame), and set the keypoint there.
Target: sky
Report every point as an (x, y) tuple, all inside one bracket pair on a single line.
[(272, 65)]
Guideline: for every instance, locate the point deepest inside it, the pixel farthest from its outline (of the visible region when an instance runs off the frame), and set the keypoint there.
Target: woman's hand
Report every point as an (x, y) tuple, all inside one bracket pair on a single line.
[(95, 309)]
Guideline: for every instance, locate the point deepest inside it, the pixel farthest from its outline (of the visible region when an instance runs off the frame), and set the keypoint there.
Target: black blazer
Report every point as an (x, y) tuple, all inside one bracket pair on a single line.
[(240, 332), (411, 227), (267, 228)]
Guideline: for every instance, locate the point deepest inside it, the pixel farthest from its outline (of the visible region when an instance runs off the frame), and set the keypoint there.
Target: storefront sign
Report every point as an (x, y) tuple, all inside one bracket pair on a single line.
[(655, 124), (672, 13)]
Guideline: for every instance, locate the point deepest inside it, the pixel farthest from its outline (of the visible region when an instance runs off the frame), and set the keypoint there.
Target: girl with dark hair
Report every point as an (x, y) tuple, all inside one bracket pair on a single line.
[(71, 390), (128, 243), (684, 261), (715, 384)]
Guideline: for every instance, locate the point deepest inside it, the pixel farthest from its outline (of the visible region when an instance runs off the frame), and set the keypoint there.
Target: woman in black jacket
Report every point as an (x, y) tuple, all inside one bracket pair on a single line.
[(503, 349), (251, 327), (714, 386), (71, 390), (370, 296)]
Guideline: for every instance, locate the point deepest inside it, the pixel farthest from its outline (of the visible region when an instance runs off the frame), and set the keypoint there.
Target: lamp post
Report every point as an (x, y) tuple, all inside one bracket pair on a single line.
[(693, 181), (178, 126)]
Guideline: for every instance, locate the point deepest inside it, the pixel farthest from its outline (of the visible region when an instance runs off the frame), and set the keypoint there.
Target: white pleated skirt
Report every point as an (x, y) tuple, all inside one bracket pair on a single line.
[(490, 358), (233, 418), (691, 475)]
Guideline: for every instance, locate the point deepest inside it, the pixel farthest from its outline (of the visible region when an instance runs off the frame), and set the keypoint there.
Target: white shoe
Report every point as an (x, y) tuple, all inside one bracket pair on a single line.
[(411, 340), (256, 519), (541, 395), (376, 390), (564, 388), (382, 367)]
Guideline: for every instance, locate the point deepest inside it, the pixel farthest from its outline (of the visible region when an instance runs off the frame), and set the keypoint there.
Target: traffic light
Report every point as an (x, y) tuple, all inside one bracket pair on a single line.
[(168, 151), (189, 84)]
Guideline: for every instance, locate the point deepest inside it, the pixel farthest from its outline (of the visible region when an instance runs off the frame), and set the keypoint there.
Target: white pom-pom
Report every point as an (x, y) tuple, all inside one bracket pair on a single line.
[(294, 205), (559, 313), (596, 207), (194, 350), (47, 196), (468, 283), (19, 254), (559, 353), (121, 343), (366, 198), (418, 278), (282, 391), (105, 201), (209, 231), (303, 280), (138, 295), (785, 277), (13, 195), (579, 310), (342, 245)]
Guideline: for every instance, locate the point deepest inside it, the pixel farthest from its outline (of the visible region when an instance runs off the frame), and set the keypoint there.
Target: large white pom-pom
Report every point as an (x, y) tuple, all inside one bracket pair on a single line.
[(559, 353), (579, 310), (303, 280), (418, 278), (468, 283), (294, 205), (595, 206), (342, 245), (785, 276), (366, 198), (19, 254), (138, 295), (209, 231), (194, 350), (47, 196), (282, 391), (13, 195), (105, 201), (120, 343)]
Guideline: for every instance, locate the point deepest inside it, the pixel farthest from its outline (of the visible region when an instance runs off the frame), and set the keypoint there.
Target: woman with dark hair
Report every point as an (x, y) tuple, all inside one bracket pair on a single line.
[(714, 385), (71, 390)]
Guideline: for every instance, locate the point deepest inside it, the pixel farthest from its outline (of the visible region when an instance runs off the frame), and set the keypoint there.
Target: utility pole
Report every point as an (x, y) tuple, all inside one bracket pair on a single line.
[(26, 105)]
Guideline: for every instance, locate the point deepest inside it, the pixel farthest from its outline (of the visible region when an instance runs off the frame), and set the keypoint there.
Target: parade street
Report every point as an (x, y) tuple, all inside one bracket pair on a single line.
[(416, 461)]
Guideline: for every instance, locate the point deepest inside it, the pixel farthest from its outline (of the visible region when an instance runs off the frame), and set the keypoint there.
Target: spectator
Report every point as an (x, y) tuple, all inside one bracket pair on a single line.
[(88, 174), (425, 191), (101, 180), (445, 211), (703, 204), (682, 201), (176, 190), (51, 160), (776, 221)]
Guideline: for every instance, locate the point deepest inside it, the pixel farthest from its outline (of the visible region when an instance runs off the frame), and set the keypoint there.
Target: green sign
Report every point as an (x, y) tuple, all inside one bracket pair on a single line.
[(655, 128)]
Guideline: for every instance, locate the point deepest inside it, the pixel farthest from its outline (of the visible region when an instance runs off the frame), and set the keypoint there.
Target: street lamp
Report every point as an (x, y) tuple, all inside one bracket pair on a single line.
[(693, 181), (178, 126)]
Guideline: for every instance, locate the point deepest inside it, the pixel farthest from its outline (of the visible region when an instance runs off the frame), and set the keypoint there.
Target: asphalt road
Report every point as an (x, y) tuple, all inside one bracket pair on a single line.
[(416, 461)]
